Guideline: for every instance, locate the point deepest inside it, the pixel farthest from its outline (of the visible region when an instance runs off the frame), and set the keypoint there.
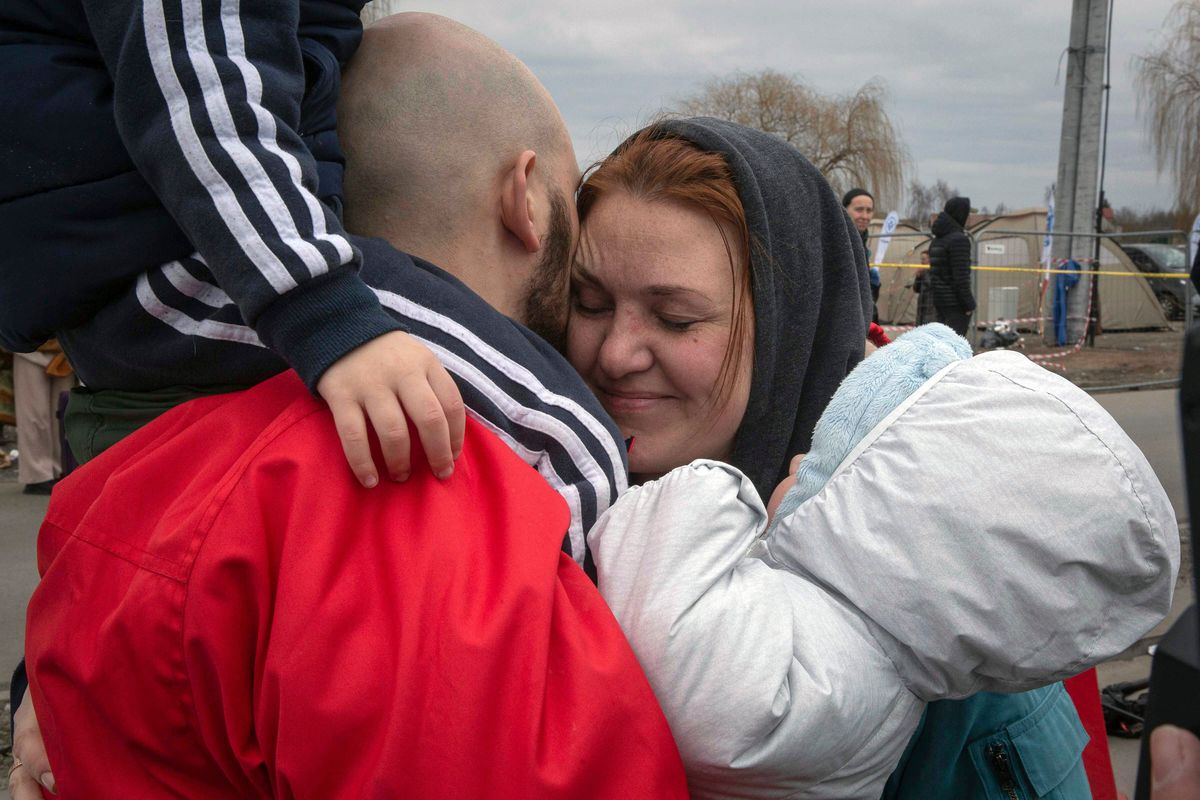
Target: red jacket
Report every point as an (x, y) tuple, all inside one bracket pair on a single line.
[(224, 613)]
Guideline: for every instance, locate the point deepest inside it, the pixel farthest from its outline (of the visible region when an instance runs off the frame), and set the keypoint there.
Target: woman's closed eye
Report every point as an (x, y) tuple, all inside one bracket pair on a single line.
[(589, 306), (678, 324), (681, 314)]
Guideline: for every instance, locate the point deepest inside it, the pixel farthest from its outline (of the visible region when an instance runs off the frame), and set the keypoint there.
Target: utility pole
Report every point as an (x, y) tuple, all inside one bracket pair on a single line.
[(1075, 199)]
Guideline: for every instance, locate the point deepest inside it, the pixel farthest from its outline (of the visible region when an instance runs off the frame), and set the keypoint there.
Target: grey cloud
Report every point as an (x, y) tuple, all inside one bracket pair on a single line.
[(972, 84)]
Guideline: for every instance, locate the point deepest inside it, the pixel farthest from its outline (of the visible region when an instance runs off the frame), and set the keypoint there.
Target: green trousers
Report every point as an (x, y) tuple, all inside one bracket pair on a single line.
[(97, 419)]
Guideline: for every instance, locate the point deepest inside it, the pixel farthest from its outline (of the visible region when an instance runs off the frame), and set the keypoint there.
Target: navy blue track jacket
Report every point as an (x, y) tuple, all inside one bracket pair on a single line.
[(135, 133)]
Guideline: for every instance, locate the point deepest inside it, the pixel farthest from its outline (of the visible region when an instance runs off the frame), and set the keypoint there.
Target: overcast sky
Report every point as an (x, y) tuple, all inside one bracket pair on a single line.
[(973, 85)]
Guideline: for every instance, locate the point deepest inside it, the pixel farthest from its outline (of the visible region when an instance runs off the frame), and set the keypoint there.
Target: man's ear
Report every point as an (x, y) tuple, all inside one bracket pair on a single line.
[(516, 205)]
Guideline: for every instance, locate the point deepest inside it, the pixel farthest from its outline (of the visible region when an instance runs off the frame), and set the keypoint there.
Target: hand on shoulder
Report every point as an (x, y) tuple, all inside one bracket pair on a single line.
[(386, 382)]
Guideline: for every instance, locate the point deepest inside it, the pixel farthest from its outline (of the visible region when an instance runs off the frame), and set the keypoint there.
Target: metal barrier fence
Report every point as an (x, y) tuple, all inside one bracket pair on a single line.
[(1142, 300)]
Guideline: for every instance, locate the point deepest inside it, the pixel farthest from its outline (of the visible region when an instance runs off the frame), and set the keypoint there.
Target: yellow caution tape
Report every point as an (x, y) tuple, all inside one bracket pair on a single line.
[(1038, 270)]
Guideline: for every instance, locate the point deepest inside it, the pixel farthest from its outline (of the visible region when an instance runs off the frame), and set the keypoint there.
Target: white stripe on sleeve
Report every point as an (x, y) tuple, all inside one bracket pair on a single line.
[(235, 46), (223, 197), (519, 373), (189, 285), (205, 328), (225, 130)]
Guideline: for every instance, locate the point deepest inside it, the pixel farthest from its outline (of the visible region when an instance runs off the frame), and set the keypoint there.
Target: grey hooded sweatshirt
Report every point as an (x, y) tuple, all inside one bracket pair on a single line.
[(812, 296)]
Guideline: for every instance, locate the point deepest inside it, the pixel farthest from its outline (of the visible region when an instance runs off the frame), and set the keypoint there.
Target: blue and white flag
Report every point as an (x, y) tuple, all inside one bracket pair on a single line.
[(885, 236), (1049, 231)]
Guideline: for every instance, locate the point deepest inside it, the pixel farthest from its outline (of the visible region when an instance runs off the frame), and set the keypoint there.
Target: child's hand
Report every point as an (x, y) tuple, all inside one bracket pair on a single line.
[(782, 488), (383, 380)]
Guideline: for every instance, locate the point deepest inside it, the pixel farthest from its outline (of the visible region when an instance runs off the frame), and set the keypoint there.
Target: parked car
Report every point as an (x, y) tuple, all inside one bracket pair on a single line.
[(1173, 295)]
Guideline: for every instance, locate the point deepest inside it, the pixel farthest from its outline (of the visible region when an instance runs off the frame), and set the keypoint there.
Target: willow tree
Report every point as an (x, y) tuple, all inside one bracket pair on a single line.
[(850, 138), (1168, 82)]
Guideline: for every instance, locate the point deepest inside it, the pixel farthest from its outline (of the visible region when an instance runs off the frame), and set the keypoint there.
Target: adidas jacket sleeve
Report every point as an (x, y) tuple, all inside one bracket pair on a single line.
[(207, 97)]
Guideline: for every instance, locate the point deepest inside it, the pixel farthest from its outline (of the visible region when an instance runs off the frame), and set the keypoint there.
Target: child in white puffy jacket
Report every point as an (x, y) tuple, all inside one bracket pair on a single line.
[(959, 525)]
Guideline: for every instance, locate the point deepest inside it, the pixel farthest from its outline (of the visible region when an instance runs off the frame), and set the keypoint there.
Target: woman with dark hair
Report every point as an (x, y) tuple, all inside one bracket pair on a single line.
[(719, 299), (860, 205), (786, 316)]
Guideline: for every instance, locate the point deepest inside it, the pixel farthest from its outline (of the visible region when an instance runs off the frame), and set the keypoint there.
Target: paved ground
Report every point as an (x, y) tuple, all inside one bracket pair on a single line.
[(20, 516), (1149, 417), (1134, 664)]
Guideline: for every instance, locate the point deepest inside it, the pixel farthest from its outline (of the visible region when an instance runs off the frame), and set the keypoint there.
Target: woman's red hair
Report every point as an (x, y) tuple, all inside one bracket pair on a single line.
[(659, 167)]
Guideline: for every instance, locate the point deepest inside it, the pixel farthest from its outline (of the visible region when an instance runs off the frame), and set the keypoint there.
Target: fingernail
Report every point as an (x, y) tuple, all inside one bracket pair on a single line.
[(370, 481), (457, 453), (446, 473), (400, 477), (47, 779), (1167, 754)]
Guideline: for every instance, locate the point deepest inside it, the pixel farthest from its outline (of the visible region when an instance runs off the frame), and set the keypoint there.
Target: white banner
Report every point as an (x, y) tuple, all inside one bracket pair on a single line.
[(885, 236), (1049, 230)]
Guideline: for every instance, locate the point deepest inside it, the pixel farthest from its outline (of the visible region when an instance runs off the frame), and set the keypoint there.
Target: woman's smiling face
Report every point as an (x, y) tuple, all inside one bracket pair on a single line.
[(653, 299)]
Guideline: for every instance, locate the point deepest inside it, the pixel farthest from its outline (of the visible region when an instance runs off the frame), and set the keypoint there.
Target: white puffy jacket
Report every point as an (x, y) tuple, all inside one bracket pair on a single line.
[(997, 531)]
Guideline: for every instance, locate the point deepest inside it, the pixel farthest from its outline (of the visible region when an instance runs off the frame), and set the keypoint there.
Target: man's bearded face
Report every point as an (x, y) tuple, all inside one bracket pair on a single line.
[(545, 303)]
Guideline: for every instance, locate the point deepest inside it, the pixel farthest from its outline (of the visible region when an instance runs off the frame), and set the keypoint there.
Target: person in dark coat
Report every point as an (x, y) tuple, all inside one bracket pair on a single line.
[(950, 266)]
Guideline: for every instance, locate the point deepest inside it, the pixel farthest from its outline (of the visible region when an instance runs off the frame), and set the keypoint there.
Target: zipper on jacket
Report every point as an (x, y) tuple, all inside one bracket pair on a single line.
[(998, 755)]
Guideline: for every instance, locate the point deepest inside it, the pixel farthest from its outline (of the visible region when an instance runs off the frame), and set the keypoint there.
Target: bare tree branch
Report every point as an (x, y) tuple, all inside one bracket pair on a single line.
[(924, 201), (1168, 99), (851, 139)]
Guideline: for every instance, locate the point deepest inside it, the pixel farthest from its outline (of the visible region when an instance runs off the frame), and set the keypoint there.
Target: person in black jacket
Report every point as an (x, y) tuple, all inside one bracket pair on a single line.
[(950, 266)]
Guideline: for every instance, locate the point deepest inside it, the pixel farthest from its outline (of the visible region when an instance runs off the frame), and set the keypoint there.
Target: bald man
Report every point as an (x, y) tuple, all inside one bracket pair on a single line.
[(239, 620)]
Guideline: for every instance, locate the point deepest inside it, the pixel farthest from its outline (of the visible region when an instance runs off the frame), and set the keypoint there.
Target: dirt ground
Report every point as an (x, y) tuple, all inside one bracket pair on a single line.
[(1120, 359), (1117, 359)]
